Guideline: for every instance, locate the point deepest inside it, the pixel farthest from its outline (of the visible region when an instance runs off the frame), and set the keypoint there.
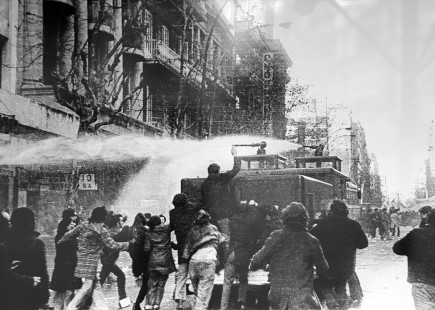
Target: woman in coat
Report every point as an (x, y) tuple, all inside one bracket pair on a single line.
[(63, 282), (292, 253), (91, 237), (161, 262)]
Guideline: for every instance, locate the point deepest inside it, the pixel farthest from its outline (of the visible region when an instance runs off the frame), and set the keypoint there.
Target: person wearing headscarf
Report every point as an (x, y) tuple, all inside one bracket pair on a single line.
[(292, 253), (63, 282)]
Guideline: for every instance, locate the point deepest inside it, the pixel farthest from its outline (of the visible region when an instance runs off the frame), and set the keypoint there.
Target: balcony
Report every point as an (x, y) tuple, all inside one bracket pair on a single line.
[(156, 51), (106, 22), (134, 43)]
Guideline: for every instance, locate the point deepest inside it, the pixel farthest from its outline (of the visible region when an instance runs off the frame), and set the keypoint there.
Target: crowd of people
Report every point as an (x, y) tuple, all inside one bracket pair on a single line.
[(310, 263)]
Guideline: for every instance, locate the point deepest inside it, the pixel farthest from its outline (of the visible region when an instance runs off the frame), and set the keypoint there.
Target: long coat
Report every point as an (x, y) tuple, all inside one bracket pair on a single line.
[(65, 261), (158, 244), (292, 255), (340, 237), (27, 252)]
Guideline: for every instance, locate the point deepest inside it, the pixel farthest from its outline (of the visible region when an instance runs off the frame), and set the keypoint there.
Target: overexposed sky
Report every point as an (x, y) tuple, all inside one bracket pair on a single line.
[(359, 54)]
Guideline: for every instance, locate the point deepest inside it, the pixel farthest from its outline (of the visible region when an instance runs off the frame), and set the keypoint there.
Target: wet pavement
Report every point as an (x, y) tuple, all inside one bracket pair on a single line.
[(382, 275)]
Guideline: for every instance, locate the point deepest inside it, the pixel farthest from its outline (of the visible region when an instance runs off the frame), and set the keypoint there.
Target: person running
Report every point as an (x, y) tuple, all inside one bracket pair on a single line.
[(246, 228), (63, 282), (139, 257), (418, 245), (202, 252), (180, 221), (339, 237), (109, 256), (161, 262), (91, 237), (292, 253)]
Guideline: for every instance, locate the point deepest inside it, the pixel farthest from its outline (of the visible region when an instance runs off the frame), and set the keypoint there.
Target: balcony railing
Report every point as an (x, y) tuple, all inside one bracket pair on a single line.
[(156, 50)]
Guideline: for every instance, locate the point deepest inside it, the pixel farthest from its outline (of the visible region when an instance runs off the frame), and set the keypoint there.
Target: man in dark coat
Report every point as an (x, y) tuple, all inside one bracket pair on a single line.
[(11, 282), (180, 221), (216, 195), (292, 253), (246, 228), (339, 237), (419, 246), (26, 254)]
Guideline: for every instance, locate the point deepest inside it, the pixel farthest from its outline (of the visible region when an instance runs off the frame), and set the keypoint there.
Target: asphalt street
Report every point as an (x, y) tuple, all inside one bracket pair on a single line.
[(381, 272)]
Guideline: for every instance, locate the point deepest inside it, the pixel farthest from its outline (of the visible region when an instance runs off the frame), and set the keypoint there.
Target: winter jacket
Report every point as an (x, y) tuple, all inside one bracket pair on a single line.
[(419, 246), (65, 261), (136, 250), (292, 255), (91, 238), (200, 237), (180, 221), (26, 254), (158, 244), (246, 231), (340, 237), (216, 196)]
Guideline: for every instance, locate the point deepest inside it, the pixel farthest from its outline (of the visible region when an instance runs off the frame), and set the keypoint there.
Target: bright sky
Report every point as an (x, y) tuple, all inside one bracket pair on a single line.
[(357, 61)]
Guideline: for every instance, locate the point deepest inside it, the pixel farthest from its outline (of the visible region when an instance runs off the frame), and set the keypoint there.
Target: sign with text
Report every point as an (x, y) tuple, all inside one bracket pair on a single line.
[(87, 182), (267, 84)]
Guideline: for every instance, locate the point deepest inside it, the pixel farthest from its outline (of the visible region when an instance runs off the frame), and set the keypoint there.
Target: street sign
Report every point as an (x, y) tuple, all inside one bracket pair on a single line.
[(87, 182)]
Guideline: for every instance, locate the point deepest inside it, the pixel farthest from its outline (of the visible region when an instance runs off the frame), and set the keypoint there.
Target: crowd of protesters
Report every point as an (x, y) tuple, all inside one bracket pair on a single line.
[(310, 263)]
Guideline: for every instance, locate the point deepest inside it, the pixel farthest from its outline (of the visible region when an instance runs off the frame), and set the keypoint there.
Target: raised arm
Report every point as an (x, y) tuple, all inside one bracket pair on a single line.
[(110, 243)]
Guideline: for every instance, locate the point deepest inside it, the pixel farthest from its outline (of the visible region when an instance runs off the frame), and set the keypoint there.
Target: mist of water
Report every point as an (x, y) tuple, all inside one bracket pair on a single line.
[(152, 188)]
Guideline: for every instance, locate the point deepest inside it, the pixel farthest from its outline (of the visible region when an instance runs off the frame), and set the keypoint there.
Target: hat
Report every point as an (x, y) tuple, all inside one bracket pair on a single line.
[(294, 212)]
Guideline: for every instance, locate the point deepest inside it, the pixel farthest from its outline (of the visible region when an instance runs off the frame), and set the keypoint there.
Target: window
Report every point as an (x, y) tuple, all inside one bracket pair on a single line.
[(165, 35)]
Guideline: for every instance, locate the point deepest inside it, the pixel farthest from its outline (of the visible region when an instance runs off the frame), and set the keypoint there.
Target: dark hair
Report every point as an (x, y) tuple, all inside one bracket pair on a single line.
[(213, 168), (139, 219), (67, 213), (339, 208), (111, 220), (201, 218), (425, 209), (98, 215), (179, 200), (154, 221), (23, 219)]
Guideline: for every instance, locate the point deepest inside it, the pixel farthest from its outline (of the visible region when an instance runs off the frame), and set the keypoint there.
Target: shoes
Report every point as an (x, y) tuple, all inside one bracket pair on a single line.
[(125, 302)]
